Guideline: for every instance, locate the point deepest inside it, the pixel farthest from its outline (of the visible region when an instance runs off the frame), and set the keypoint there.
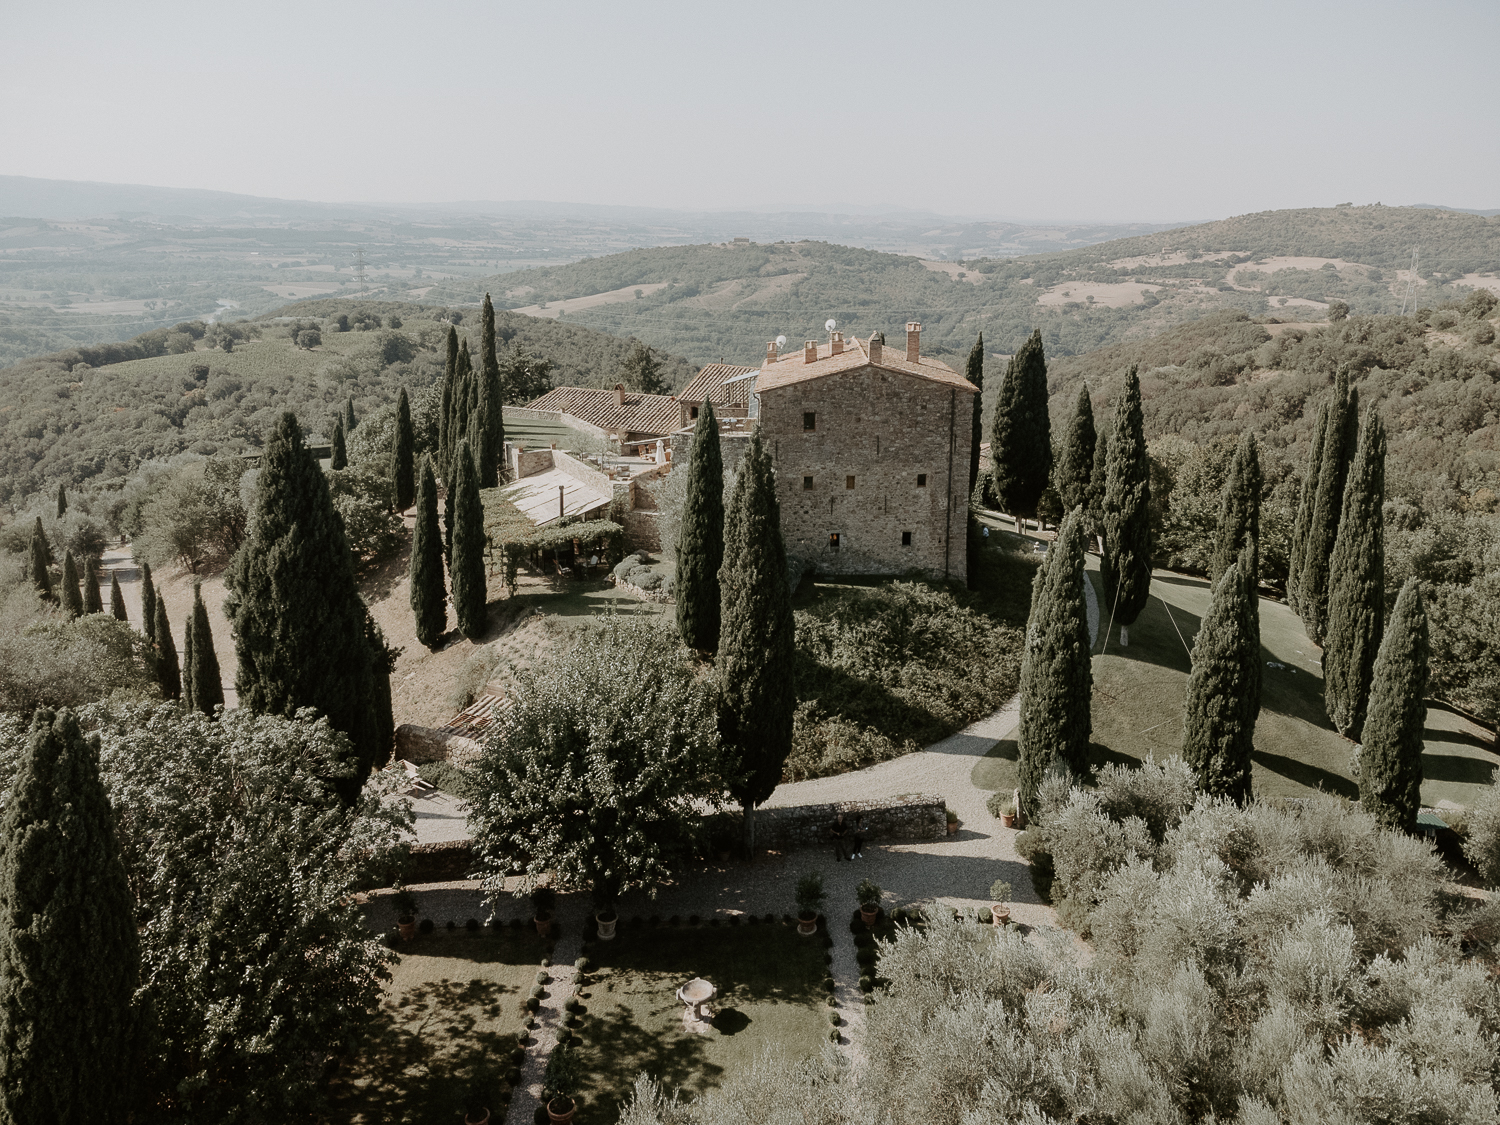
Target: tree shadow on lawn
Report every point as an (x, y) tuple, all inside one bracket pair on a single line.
[(1313, 777), (1458, 768)]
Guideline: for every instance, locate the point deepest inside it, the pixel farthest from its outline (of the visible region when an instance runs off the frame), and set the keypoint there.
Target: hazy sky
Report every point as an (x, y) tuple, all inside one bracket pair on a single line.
[(1044, 110)]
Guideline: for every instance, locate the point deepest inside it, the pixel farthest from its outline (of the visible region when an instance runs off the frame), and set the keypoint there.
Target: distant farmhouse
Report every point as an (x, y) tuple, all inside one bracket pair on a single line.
[(871, 446)]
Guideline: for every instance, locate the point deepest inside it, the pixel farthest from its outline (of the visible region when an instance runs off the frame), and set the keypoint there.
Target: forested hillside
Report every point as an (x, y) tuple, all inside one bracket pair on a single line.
[(725, 301), (96, 414)]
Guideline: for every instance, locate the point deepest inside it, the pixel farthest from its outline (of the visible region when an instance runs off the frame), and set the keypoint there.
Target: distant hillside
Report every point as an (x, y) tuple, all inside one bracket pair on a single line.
[(95, 414), (723, 300)]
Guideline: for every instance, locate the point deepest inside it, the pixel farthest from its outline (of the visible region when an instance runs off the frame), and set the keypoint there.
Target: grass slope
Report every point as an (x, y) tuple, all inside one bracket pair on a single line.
[(1138, 705)]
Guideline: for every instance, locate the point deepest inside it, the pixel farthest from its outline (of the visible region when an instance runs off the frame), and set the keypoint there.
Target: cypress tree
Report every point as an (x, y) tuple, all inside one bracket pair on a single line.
[(1126, 565), (429, 595), (1021, 435), (93, 601), (340, 452), (69, 952), (700, 543), (491, 395), (349, 420), (383, 663), (148, 603), (458, 433), (1239, 514), (1305, 502), (72, 600), (36, 566), (445, 415), (37, 532), (168, 670), (1356, 595), (1098, 475), (203, 663), (1057, 677), (975, 374), (117, 599), (298, 620), (1223, 692), (470, 597), (1076, 467), (757, 640), (187, 666), (62, 501), (1323, 528), (403, 456), (1390, 762)]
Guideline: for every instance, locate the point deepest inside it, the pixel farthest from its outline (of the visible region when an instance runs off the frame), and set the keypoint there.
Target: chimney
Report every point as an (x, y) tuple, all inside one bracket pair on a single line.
[(771, 356), (837, 343), (619, 394), (874, 348), (810, 352), (913, 341)]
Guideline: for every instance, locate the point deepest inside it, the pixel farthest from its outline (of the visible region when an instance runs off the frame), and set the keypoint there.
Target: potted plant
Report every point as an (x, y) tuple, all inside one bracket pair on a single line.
[(1008, 814), (559, 1084), (952, 819), (406, 913), (868, 895), (1000, 904), (476, 1105), (606, 919), (809, 898), (543, 899)]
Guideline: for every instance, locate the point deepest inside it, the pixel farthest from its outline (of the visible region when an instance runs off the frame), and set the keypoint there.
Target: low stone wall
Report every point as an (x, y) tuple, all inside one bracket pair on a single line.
[(912, 816), (528, 462), (645, 595), (532, 414), (642, 532), (582, 471), (428, 744)]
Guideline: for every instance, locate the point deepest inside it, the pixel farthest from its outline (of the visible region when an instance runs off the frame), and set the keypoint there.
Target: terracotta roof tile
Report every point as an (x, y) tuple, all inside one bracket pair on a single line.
[(793, 369), (709, 385), (639, 414)]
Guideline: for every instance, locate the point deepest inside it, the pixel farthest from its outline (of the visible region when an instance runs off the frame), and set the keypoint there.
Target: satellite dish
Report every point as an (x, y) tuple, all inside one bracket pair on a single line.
[(830, 324), (780, 341)]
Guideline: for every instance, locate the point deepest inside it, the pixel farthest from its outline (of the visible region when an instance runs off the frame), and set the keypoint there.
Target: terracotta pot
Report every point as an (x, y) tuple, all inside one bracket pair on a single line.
[(1000, 914), (1007, 820), (868, 913), (952, 827), (723, 857), (543, 923), (807, 924), (407, 928), (606, 928), (560, 1111), (482, 1119)]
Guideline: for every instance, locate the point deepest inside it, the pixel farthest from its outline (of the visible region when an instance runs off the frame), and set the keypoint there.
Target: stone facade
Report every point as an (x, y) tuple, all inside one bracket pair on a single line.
[(872, 469)]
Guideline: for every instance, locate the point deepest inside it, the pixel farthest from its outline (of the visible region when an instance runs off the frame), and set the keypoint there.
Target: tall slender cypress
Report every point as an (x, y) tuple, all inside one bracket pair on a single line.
[(38, 532), (72, 600), (1390, 761), (1057, 678), (1126, 566), (429, 595), (117, 599), (1356, 595), (69, 951), (36, 566), (757, 639), (168, 669), (470, 597), (1021, 434), (1223, 692), (383, 663), (1323, 528), (202, 662), (403, 454), (1098, 476), (1307, 498), (700, 543), (298, 619), (350, 421), (187, 666), (340, 451), (62, 501), (1239, 513), (491, 395), (445, 415), (93, 601), (148, 603), (975, 374), (458, 433), (1076, 466)]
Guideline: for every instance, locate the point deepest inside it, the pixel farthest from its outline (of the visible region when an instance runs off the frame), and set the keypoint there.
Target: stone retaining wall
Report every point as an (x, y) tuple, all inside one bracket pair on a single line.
[(427, 744), (439, 863), (912, 816)]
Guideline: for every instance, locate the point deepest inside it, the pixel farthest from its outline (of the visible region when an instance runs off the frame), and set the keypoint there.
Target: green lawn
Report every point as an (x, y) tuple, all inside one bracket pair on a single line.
[(449, 1016), (1138, 704), (770, 994)]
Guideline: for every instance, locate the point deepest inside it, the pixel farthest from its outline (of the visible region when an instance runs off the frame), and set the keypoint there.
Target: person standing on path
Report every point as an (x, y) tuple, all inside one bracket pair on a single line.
[(840, 833)]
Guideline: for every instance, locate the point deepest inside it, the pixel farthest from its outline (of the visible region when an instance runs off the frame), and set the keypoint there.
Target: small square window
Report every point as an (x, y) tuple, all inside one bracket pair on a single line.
[(921, 480), (807, 484), (809, 420), (906, 539), (848, 482), (833, 541), (692, 412)]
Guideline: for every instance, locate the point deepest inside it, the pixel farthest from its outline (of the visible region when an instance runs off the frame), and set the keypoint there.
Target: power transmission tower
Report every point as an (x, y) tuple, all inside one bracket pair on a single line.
[(1411, 283), (359, 264)]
